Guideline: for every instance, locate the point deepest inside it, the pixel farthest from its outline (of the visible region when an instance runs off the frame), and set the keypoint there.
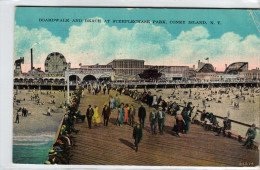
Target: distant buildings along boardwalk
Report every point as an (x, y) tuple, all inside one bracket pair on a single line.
[(58, 70)]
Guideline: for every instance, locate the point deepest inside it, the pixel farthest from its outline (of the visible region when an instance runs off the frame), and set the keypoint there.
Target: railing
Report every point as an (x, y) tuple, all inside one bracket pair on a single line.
[(42, 83), (234, 121), (59, 129), (184, 82), (146, 83), (90, 72)]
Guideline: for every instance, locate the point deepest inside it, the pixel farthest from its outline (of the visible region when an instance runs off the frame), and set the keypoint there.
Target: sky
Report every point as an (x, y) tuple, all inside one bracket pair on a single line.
[(234, 36)]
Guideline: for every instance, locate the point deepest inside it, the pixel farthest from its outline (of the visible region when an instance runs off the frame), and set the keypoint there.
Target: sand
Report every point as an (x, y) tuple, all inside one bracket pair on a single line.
[(37, 123)]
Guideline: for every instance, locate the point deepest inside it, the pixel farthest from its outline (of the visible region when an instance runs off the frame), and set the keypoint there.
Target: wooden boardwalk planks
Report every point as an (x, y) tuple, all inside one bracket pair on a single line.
[(113, 145)]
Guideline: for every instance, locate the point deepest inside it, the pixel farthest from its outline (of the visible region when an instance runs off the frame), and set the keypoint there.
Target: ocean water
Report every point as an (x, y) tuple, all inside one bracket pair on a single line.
[(31, 149)]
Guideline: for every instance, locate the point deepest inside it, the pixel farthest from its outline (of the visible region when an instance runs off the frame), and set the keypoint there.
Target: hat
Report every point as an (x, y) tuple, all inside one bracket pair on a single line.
[(178, 112), (160, 108), (59, 141), (253, 125)]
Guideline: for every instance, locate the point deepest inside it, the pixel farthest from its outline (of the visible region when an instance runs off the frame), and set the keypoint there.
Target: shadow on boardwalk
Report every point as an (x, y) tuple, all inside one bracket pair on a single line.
[(127, 143)]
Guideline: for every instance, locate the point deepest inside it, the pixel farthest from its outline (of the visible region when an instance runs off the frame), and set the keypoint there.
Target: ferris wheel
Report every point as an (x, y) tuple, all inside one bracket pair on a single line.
[(55, 63)]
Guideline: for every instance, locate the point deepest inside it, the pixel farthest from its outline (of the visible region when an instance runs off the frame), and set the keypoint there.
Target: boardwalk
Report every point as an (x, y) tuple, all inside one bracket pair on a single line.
[(113, 145)]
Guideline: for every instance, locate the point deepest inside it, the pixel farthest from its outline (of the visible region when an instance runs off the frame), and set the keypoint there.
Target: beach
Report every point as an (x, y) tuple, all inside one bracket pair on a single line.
[(35, 133)]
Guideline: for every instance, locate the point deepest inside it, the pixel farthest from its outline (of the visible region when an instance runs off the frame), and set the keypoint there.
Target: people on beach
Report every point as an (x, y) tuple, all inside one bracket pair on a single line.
[(49, 112), (17, 118)]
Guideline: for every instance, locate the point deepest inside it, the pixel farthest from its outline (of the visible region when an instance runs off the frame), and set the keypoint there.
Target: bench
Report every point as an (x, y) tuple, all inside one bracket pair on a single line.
[(234, 134)]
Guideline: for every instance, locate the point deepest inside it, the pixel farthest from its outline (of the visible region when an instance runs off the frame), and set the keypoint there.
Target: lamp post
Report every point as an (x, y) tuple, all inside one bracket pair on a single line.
[(68, 84)]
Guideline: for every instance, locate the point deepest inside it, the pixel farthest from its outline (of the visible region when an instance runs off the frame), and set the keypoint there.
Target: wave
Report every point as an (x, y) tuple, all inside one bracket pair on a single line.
[(34, 140), (30, 143)]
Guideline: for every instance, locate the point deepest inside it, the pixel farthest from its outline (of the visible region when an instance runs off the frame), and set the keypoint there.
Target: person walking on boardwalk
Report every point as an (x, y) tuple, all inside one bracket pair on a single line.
[(179, 122), (96, 118), (104, 89), (250, 134), (108, 90), (132, 115), (112, 103), (187, 122), (137, 135), (17, 118), (106, 113), (117, 101), (89, 115), (82, 93), (161, 120), (142, 115), (89, 89), (126, 109), (153, 121), (121, 114)]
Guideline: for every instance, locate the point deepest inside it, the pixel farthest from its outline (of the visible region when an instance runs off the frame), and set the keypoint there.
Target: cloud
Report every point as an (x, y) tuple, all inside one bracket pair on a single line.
[(92, 43), (195, 34)]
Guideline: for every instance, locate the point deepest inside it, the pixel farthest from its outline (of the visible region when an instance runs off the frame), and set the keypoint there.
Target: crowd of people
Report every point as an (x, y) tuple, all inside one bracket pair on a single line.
[(161, 108), (182, 116), (95, 88), (60, 153)]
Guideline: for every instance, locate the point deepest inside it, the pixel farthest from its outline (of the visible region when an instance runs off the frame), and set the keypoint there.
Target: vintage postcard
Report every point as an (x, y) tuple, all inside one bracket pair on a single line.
[(136, 86)]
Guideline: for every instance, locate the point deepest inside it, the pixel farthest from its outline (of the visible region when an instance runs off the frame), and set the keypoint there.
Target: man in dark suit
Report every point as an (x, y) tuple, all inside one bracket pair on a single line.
[(142, 115), (137, 135), (89, 114), (106, 113)]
